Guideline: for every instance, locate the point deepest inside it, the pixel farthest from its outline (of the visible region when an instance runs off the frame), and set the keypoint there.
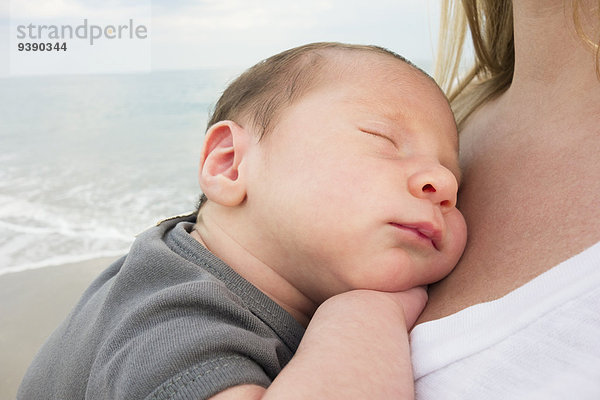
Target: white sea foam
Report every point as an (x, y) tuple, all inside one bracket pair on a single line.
[(81, 175), (61, 260)]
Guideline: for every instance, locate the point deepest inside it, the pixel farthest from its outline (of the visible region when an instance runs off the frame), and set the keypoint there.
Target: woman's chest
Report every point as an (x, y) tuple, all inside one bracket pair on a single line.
[(529, 202)]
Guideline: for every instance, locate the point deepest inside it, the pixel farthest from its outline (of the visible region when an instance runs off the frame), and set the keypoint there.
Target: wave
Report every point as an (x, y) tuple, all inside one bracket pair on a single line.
[(106, 233), (80, 178), (61, 260)]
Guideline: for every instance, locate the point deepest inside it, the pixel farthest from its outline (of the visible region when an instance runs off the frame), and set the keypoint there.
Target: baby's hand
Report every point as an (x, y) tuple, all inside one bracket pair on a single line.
[(359, 304), (355, 347), (413, 302)]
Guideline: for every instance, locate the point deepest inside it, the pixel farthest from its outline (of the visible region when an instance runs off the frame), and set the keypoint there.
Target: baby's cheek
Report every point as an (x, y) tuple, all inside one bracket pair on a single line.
[(457, 235)]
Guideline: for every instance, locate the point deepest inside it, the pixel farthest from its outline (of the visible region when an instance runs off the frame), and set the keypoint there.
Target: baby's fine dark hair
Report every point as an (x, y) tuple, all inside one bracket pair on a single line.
[(258, 95)]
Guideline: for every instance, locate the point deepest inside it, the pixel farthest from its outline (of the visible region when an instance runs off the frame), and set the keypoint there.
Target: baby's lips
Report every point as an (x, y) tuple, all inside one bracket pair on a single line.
[(428, 230)]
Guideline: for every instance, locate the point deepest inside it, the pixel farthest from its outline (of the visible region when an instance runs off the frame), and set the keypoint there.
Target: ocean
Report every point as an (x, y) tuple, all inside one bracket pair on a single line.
[(89, 161)]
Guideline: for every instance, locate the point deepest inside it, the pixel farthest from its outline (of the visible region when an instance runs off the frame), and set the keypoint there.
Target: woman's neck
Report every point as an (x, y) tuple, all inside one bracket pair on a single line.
[(549, 53)]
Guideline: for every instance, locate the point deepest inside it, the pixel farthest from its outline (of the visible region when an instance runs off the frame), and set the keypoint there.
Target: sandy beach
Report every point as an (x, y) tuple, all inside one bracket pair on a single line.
[(32, 304)]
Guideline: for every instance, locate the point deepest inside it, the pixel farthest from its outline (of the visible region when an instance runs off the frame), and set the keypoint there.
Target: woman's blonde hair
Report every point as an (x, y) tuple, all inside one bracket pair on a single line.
[(491, 26)]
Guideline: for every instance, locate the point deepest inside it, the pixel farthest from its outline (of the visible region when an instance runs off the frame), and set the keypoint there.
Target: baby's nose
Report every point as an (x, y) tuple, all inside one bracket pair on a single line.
[(435, 183)]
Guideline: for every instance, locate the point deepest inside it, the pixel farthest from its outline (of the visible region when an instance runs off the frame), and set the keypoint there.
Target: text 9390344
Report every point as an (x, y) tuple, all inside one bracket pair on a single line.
[(44, 46)]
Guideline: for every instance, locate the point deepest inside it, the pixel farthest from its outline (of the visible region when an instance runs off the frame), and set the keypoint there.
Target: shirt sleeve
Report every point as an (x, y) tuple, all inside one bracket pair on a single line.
[(190, 341)]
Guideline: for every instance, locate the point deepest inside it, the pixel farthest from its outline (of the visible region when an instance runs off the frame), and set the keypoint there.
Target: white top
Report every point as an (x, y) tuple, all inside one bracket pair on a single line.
[(541, 341)]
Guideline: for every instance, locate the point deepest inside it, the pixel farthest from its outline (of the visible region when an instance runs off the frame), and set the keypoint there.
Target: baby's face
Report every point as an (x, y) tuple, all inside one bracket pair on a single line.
[(355, 188)]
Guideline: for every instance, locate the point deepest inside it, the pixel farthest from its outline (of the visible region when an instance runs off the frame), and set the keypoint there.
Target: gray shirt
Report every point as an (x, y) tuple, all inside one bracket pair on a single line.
[(168, 321)]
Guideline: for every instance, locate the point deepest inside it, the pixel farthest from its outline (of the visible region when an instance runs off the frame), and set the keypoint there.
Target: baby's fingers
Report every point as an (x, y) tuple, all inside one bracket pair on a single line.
[(413, 302)]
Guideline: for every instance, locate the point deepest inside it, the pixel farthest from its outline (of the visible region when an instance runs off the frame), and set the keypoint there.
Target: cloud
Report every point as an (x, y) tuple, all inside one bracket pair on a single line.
[(238, 15), (188, 34), (37, 10), (236, 32)]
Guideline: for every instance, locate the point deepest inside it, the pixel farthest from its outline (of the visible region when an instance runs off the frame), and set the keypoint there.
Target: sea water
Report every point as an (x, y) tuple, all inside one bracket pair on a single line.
[(89, 161)]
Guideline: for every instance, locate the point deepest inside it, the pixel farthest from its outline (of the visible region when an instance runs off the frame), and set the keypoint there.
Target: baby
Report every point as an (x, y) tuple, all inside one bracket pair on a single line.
[(329, 174)]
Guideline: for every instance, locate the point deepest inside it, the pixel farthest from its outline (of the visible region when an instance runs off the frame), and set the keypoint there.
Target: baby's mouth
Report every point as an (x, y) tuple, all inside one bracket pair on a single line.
[(425, 231)]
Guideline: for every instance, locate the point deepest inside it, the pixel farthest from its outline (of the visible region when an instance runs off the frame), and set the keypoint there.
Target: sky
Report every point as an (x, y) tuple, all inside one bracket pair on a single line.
[(197, 34)]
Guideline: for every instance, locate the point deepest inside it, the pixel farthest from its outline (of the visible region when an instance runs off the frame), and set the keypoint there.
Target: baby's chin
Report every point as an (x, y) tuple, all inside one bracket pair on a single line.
[(391, 270), (397, 274), (421, 273)]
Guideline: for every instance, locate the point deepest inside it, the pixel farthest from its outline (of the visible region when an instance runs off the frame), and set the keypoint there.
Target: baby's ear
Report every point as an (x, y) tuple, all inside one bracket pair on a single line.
[(223, 152)]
